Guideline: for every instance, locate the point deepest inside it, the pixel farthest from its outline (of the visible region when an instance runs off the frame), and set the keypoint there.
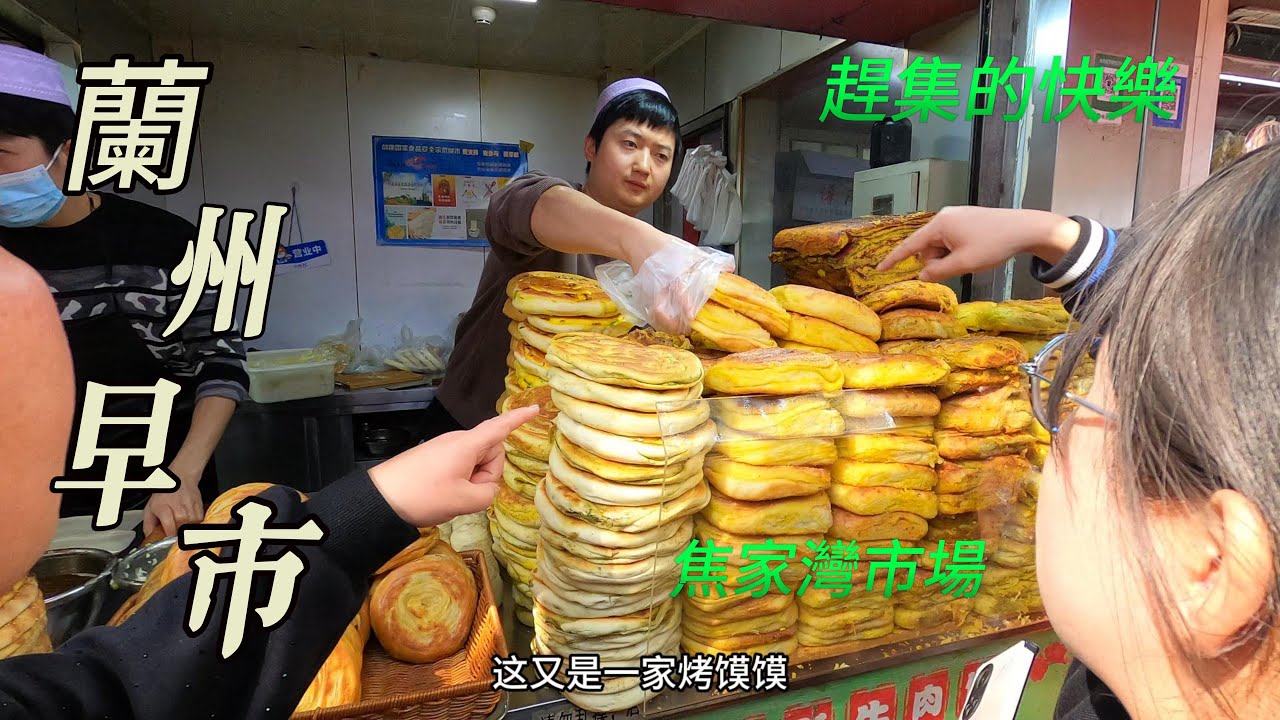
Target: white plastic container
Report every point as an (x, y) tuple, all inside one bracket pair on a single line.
[(280, 375)]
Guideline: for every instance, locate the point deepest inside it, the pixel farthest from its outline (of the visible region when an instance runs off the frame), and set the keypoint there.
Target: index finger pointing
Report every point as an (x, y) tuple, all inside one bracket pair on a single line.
[(915, 242)]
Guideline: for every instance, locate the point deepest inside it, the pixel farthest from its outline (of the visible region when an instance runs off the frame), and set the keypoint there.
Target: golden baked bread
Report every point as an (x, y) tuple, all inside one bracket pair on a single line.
[(888, 475), (959, 382), (777, 417), (741, 481), (894, 525), (559, 294), (912, 294), (873, 371), (898, 403), (621, 472), (899, 347), (914, 324), (1005, 473), (337, 683), (840, 310), (537, 339), (422, 611), (975, 353), (1031, 344), (621, 517), (749, 607), (952, 612), (789, 345), (878, 500), (533, 438), (815, 332), (787, 516), (1045, 316), (817, 452), (774, 371), (876, 235), (716, 327), (1006, 410), (613, 325), (1039, 454), (955, 445), (743, 296), (887, 449), (614, 361), (630, 422), (661, 451), (427, 539), (624, 398)]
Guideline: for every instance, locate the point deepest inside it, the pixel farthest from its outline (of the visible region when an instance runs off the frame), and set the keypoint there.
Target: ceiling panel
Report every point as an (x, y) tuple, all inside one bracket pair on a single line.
[(884, 21)]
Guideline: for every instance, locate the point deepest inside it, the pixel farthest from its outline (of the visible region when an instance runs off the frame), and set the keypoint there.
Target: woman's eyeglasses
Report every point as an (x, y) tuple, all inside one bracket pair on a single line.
[(1040, 373)]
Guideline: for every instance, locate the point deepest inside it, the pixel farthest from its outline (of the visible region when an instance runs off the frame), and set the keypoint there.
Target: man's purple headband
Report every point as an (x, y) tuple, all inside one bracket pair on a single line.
[(626, 86)]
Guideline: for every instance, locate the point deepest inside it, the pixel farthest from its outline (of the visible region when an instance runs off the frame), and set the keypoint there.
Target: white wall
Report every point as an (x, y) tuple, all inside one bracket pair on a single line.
[(954, 41), (274, 117)]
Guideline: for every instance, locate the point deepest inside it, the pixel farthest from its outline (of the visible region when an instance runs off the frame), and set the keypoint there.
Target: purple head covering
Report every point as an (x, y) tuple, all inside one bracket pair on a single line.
[(626, 86), (30, 74)]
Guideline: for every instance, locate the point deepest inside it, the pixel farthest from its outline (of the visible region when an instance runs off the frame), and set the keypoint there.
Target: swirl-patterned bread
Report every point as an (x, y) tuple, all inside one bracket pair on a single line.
[(422, 611)]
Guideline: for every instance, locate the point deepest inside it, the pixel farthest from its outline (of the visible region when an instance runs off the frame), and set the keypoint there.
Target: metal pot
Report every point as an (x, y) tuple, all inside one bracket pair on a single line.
[(132, 570), (78, 579)]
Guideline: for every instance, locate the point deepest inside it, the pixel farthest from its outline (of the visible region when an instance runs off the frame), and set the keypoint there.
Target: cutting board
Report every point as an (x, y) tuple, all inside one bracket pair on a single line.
[(381, 378)]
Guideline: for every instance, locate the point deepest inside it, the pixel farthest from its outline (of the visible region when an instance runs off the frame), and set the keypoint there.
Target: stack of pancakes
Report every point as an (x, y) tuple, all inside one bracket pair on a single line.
[(1032, 323), (770, 476), (739, 316), (842, 256), (825, 321), (544, 304), (1009, 590), (624, 480), (513, 519), (24, 626), (914, 310), (883, 489)]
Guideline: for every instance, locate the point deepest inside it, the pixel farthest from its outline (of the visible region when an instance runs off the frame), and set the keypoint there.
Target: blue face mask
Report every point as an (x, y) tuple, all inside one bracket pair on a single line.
[(30, 197)]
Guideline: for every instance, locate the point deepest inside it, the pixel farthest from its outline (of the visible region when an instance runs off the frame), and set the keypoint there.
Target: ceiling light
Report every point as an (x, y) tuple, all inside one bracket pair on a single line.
[(1250, 80)]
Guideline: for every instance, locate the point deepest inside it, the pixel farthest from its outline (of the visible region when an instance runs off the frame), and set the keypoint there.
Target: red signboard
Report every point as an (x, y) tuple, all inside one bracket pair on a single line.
[(879, 703), (927, 696)]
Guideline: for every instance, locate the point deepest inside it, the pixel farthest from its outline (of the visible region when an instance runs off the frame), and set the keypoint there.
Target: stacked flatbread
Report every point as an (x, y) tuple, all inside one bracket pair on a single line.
[(739, 316), (1032, 323), (616, 505), (543, 304), (914, 310), (825, 321), (770, 476), (842, 256), (513, 519), (1009, 590), (24, 626), (885, 480)]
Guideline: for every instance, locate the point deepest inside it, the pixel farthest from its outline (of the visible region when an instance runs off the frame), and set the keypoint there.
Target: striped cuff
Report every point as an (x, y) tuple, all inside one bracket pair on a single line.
[(1083, 264)]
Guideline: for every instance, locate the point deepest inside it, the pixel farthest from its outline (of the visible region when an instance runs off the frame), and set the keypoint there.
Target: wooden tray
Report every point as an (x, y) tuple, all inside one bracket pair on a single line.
[(455, 688), (381, 378)]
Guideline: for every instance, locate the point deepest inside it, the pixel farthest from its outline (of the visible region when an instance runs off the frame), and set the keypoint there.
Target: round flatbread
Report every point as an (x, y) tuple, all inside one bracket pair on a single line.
[(629, 422), (657, 615), (639, 451), (559, 294), (579, 570), (615, 361), (575, 529), (605, 605), (623, 398), (588, 461), (529, 360), (622, 517), (612, 326), (676, 542), (541, 341), (596, 489)]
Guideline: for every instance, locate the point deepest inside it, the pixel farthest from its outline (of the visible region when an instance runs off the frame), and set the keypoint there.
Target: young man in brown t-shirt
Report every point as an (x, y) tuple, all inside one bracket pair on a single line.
[(539, 222)]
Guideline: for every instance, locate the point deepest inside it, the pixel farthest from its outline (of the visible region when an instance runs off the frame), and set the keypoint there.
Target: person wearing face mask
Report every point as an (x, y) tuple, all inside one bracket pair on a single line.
[(108, 260), (540, 222)]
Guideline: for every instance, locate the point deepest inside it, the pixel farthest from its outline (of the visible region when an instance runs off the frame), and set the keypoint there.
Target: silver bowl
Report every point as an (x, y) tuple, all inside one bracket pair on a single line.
[(133, 569), (75, 584)]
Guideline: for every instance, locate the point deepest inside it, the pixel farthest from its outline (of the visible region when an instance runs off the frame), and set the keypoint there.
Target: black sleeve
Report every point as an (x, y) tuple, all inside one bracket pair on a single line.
[(1085, 697), (1077, 275), (150, 669)]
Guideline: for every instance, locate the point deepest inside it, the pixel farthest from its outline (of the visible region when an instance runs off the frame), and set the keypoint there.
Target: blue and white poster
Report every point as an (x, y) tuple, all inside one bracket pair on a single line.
[(436, 192)]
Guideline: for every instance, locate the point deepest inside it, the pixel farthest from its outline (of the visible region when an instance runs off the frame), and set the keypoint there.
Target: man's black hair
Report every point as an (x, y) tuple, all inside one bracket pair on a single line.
[(645, 107), (49, 122)]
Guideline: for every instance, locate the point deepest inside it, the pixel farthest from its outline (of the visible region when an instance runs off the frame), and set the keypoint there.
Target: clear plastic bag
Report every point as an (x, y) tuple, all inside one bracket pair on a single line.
[(425, 355), (342, 349), (671, 287)]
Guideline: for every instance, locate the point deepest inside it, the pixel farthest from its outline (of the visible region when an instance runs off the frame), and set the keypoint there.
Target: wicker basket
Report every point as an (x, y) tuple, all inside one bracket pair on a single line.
[(460, 686)]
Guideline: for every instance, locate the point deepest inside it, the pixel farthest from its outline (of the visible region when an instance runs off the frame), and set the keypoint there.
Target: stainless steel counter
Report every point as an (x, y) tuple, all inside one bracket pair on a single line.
[(549, 704)]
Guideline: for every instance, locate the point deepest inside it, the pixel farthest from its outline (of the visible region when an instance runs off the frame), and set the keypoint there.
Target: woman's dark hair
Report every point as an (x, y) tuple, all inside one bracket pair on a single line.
[(641, 106), (1191, 317), (49, 122)]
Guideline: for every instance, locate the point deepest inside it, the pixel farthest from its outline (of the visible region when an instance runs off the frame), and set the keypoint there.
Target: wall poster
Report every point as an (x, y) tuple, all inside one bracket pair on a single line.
[(435, 193)]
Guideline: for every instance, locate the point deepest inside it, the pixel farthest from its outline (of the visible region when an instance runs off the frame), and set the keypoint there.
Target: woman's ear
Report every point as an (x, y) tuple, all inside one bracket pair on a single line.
[(589, 149), (1223, 572)]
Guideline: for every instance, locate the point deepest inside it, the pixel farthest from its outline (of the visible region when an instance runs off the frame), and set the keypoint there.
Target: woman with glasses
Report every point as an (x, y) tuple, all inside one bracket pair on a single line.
[(1158, 532)]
